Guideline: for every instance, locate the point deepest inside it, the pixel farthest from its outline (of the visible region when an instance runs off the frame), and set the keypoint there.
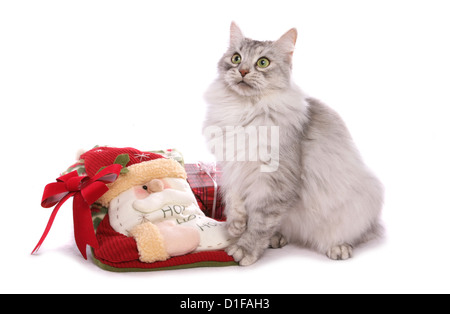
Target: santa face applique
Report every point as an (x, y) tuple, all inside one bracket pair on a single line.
[(168, 208)]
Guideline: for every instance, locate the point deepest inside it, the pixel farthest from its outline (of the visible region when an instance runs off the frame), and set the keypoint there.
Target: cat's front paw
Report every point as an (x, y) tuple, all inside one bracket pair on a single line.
[(277, 241), (242, 256), (236, 227), (340, 252)]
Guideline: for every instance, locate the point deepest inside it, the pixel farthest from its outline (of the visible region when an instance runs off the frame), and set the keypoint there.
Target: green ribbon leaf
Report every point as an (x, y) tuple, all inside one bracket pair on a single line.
[(122, 160)]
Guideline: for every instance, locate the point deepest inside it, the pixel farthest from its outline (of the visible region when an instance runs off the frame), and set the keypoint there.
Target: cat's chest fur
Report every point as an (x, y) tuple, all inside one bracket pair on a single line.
[(285, 109), (271, 127)]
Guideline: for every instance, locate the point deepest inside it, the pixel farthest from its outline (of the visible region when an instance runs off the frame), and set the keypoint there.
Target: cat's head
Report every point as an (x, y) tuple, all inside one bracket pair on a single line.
[(252, 68)]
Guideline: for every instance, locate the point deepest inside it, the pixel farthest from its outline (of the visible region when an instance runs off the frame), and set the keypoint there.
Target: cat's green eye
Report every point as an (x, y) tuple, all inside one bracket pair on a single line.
[(263, 62), (236, 59)]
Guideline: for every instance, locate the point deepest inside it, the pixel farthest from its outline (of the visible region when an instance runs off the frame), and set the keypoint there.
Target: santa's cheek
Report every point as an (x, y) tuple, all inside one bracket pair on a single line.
[(166, 184), (140, 193)]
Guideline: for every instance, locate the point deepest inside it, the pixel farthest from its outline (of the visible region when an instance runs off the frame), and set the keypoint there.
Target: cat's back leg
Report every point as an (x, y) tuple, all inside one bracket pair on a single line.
[(340, 252)]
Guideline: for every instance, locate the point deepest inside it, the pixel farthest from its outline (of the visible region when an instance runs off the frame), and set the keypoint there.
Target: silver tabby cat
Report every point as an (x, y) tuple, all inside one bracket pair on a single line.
[(321, 194)]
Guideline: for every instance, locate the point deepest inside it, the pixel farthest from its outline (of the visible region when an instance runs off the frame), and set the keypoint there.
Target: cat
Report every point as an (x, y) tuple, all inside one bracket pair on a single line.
[(320, 194)]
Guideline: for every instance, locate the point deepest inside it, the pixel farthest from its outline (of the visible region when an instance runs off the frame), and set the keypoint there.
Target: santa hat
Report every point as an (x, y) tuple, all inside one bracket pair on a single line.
[(140, 168)]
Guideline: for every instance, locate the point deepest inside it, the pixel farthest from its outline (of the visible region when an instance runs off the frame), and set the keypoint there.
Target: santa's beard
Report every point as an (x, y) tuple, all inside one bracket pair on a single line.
[(126, 211), (177, 205), (156, 201)]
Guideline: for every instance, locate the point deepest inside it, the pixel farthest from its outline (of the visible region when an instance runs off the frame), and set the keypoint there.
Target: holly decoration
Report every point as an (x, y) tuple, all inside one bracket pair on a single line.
[(122, 160)]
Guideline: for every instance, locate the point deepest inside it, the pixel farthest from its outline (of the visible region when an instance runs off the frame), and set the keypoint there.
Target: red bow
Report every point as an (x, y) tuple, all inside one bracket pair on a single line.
[(85, 192)]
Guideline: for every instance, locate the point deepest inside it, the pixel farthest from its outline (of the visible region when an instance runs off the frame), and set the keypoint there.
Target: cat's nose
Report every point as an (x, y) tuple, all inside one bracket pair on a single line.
[(244, 72)]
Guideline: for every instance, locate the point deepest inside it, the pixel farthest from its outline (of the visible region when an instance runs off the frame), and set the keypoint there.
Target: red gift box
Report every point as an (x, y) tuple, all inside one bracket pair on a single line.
[(204, 181)]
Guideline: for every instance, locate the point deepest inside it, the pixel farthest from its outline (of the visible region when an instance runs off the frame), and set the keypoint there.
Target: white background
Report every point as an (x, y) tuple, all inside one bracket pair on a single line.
[(74, 74)]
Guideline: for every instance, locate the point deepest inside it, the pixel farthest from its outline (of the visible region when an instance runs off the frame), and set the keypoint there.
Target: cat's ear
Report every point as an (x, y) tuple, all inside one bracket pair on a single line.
[(287, 42), (236, 35)]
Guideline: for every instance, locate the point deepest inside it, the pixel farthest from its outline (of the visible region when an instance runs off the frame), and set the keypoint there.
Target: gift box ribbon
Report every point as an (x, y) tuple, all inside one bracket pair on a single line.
[(85, 192), (209, 169)]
